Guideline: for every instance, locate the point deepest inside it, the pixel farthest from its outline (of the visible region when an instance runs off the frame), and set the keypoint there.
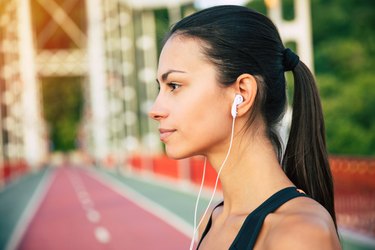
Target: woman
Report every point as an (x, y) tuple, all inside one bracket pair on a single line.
[(208, 59)]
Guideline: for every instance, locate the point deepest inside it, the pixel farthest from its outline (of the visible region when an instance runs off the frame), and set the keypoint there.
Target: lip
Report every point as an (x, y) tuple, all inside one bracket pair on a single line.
[(165, 133)]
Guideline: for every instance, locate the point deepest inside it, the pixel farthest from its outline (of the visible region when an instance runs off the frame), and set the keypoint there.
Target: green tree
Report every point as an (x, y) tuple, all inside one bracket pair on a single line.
[(344, 46), (344, 60), (62, 106)]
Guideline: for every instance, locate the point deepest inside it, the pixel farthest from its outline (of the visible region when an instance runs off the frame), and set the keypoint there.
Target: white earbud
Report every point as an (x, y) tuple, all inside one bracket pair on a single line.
[(237, 100)]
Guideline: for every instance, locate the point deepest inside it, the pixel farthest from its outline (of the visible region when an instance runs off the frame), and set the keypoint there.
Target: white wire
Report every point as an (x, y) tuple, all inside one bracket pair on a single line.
[(213, 193), (197, 202)]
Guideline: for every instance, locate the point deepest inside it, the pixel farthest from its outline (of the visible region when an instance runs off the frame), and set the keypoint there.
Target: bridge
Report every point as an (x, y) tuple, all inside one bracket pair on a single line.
[(110, 48)]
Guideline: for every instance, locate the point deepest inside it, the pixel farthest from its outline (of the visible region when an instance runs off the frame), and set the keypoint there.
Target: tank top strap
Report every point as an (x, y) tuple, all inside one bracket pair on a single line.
[(252, 225), (209, 223)]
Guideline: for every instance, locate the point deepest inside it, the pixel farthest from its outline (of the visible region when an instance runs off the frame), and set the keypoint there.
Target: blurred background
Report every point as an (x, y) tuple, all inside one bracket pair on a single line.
[(77, 79)]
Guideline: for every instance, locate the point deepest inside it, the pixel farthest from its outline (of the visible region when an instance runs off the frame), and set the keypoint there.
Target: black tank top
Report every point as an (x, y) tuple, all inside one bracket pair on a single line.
[(247, 236)]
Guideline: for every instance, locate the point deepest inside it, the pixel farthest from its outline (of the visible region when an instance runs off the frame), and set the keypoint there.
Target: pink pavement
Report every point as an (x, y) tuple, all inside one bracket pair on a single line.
[(80, 212)]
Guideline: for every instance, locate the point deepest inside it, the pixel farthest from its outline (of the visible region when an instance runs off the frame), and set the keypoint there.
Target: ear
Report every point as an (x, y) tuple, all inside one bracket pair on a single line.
[(246, 85)]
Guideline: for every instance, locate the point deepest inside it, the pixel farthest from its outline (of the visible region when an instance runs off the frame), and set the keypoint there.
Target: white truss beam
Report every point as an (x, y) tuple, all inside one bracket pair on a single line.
[(72, 62), (66, 23), (51, 27)]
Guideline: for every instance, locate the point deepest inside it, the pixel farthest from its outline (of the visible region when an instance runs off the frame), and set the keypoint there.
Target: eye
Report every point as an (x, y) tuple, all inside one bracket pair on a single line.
[(173, 86)]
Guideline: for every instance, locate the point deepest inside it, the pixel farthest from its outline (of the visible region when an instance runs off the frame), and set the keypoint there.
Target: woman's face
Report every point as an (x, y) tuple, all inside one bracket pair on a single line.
[(192, 109)]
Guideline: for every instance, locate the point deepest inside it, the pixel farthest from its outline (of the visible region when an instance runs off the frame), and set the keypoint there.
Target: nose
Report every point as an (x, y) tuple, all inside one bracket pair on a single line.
[(157, 111)]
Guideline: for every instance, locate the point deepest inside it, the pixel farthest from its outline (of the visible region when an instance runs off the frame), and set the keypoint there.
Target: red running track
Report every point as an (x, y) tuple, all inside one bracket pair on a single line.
[(79, 212)]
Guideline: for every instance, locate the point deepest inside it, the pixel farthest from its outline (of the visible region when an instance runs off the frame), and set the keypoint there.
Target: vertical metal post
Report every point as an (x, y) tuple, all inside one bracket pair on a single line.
[(147, 75), (174, 13), (35, 147), (129, 95), (303, 15), (96, 69), (2, 88)]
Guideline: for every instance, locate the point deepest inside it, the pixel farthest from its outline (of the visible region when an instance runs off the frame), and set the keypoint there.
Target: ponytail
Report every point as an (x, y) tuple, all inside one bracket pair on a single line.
[(305, 160)]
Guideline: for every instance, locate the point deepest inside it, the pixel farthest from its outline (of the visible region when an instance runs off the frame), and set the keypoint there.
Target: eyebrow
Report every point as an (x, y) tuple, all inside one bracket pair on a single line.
[(166, 74)]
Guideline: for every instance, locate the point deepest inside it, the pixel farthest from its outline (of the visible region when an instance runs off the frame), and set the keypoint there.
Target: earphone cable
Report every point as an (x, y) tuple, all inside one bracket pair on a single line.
[(213, 194), (197, 202)]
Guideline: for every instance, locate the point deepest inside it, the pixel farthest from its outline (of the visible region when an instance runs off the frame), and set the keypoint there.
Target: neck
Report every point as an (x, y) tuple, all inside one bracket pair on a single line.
[(251, 175)]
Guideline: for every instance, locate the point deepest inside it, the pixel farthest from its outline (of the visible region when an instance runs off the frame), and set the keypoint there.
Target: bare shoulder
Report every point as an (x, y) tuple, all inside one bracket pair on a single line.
[(302, 224)]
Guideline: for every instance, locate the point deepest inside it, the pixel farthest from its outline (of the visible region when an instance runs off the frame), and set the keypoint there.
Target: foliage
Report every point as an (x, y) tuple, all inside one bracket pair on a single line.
[(62, 105), (344, 46)]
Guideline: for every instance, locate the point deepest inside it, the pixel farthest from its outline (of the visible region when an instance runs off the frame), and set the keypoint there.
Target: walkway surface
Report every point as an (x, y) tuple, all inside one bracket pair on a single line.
[(90, 208), (77, 209)]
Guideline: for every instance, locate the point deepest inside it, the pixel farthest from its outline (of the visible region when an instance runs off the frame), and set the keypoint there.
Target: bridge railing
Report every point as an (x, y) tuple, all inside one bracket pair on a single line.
[(354, 183)]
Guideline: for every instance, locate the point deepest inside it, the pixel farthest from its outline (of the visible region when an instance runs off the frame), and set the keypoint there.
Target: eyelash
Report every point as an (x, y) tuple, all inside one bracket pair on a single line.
[(173, 86)]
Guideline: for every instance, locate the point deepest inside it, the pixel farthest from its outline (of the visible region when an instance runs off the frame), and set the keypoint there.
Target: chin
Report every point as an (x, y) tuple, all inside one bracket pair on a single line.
[(178, 154)]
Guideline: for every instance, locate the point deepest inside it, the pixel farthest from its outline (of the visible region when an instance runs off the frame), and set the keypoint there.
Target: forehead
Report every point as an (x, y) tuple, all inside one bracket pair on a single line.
[(182, 53)]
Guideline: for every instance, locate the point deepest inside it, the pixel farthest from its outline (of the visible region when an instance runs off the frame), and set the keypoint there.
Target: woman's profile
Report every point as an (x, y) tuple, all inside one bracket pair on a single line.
[(222, 95)]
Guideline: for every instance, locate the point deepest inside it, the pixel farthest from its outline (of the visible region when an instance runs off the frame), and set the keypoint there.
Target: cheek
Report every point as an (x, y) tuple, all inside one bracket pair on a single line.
[(204, 127), (201, 113)]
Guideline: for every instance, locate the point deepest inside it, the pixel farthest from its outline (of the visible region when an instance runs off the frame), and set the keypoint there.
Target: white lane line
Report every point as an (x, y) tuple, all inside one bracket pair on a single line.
[(143, 202), (31, 209), (87, 206), (82, 194), (86, 201), (93, 215), (102, 235)]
